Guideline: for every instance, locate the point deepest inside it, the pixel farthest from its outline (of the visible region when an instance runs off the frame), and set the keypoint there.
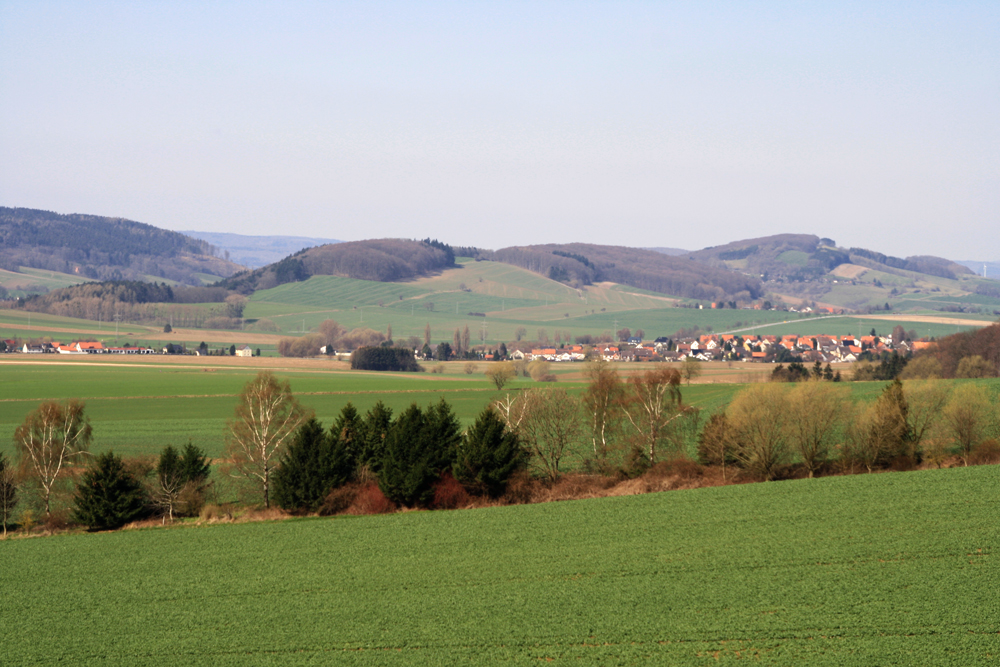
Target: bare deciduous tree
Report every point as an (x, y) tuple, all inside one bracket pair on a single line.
[(814, 412), (925, 405), (757, 421), (690, 369), (602, 401), (547, 423), (967, 417), (52, 438), (266, 418), (650, 402)]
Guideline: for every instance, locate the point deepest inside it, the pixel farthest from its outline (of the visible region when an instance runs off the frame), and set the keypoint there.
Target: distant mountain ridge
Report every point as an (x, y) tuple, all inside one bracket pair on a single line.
[(102, 248), (257, 251)]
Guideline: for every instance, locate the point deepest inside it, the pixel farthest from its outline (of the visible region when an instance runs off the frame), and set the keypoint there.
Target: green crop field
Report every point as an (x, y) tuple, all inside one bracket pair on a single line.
[(862, 570)]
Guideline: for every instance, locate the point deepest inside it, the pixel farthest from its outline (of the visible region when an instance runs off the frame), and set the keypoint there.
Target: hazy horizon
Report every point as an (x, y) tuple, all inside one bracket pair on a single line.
[(639, 124)]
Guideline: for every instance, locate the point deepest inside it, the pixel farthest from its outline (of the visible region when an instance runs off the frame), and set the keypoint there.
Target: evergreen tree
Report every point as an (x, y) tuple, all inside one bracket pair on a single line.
[(194, 464), (312, 465), (418, 447), (108, 496), (349, 430), (488, 455), (371, 436)]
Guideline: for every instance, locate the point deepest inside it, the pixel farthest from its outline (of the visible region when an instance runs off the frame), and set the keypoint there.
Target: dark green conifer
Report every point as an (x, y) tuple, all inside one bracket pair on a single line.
[(488, 455), (418, 448), (108, 496), (312, 465)]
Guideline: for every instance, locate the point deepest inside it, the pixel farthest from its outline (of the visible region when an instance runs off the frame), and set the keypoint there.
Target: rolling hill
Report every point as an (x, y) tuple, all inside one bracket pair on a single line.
[(99, 248)]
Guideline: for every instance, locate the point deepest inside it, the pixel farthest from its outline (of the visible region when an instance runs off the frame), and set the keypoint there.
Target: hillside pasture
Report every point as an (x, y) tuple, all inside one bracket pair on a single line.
[(902, 572)]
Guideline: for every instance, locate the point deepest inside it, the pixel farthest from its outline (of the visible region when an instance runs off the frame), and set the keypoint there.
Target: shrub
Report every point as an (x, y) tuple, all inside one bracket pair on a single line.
[(449, 494), (339, 500), (470, 368), (109, 496), (987, 452), (371, 500)]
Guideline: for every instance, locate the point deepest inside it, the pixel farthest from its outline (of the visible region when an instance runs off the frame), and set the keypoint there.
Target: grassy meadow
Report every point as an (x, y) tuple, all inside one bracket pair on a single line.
[(140, 405), (883, 569)]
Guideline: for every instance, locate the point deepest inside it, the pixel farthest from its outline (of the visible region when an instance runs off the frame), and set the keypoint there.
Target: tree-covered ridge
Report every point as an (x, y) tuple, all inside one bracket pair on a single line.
[(102, 248), (806, 257), (583, 264), (382, 260)]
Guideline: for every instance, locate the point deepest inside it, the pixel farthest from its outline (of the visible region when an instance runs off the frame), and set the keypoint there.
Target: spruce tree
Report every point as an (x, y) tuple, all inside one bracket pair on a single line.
[(371, 436), (488, 455), (194, 464), (418, 447), (108, 496), (348, 430), (313, 465)]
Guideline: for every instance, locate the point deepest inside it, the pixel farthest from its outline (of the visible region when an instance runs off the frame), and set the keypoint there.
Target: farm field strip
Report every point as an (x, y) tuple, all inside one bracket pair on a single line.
[(764, 571)]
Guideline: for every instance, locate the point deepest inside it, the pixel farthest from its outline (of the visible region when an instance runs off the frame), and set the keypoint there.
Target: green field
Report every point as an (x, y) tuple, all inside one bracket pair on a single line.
[(141, 409), (861, 570)]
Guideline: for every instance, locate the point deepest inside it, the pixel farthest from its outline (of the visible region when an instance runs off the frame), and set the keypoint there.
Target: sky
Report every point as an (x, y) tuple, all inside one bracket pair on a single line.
[(670, 124)]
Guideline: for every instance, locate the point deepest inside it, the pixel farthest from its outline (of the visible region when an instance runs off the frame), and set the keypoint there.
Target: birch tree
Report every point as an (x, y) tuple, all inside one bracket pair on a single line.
[(815, 410), (266, 419), (650, 402), (51, 440), (602, 402)]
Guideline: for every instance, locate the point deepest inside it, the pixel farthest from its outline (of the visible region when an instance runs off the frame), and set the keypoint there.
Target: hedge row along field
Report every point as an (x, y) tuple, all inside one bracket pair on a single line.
[(860, 570)]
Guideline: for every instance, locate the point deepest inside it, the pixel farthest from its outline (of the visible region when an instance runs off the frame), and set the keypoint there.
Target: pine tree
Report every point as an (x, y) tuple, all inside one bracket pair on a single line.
[(108, 496), (488, 455)]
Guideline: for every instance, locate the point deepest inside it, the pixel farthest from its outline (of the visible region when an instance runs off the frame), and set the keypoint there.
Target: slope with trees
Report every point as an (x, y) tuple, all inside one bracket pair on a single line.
[(100, 248)]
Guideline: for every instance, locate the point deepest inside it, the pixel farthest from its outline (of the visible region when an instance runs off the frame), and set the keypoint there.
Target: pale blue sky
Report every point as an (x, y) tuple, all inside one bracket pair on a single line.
[(492, 124)]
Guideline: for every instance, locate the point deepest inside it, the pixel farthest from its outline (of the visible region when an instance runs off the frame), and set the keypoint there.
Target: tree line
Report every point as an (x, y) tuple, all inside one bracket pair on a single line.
[(618, 428)]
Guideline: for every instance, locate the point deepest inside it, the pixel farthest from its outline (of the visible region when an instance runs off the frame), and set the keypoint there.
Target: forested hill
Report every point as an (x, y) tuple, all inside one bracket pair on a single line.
[(805, 257), (582, 264), (383, 260), (103, 248)]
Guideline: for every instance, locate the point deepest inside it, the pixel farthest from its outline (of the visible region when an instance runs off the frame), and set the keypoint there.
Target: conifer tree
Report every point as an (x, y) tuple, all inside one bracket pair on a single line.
[(312, 465), (418, 447), (109, 496), (488, 455), (371, 436)]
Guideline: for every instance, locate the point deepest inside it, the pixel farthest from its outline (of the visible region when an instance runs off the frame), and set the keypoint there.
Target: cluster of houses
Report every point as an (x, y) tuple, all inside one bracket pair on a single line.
[(97, 347), (80, 347), (732, 347)]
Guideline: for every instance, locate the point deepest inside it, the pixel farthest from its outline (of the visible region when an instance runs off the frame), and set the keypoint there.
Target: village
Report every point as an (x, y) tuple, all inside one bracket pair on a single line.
[(707, 347), (733, 347)]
